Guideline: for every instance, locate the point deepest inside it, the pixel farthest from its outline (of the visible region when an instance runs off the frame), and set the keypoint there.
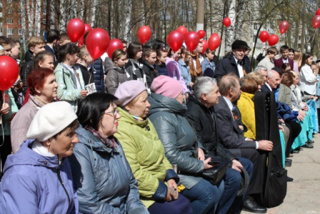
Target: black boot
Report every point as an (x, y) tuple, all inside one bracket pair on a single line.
[(250, 205)]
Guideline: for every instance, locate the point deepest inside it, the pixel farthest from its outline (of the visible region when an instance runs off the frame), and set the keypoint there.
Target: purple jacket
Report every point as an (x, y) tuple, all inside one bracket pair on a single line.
[(36, 184)]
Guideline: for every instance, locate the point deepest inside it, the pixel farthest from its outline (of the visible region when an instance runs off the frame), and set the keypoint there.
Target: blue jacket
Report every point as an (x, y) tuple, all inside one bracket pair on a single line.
[(185, 72), (33, 183), (208, 68), (103, 178), (98, 75)]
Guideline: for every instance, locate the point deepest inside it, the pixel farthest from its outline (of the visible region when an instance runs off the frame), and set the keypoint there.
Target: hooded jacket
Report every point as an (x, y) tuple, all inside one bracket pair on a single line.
[(177, 137), (146, 156), (102, 177), (114, 78), (33, 183)]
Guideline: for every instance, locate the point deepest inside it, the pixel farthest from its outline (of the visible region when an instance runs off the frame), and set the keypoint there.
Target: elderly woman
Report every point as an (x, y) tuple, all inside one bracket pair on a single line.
[(179, 141), (102, 176), (37, 179), (43, 89), (145, 153)]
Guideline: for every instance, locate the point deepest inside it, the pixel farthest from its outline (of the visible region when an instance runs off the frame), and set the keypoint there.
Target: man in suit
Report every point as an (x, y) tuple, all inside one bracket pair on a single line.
[(284, 50), (234, 63), (231, 136)]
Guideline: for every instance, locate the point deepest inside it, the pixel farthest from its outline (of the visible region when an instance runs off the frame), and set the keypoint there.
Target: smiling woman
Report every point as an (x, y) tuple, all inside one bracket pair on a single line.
[(38, 175)]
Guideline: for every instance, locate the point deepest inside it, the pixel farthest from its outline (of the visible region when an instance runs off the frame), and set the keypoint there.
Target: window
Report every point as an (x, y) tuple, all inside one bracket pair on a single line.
[(9, 31), (9, 21), (20, 32)]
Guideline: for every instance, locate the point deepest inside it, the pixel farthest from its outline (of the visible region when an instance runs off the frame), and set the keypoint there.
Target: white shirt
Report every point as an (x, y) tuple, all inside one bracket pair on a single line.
[(308, 81), (240, 68), (285, 60)]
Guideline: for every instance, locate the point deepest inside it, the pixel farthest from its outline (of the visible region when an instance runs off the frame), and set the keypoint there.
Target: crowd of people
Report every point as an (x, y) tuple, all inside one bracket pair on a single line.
[(148, 129)]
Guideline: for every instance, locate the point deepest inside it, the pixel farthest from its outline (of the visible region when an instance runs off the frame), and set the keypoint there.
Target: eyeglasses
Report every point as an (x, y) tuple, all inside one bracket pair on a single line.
[(113, 114)]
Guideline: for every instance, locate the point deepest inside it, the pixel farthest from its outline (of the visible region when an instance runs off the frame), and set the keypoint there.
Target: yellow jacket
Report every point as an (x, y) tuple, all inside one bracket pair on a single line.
[(246, 107)]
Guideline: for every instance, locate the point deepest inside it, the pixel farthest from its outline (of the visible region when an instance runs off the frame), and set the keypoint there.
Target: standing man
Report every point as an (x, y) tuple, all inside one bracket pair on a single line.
[(234, 62), (52, 40), (284, 50)]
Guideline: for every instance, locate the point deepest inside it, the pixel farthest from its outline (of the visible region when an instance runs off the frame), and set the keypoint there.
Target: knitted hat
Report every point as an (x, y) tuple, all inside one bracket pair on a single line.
[(128, 90), (50, 120), (166, 86)]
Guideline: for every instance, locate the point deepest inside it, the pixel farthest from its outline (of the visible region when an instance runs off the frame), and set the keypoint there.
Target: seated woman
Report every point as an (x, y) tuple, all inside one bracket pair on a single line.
[(145, 153), (179, 140), (102, 177), (42, 87), (37, 179)]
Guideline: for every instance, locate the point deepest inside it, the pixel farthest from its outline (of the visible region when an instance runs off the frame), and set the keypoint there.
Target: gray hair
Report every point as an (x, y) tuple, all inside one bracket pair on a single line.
[(271, 73), (203, 85), (260, 68), (227, 82)]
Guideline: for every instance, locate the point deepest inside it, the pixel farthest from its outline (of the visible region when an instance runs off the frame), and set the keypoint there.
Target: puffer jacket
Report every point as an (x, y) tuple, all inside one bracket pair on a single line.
[(33, 183), (26, 69), (149, 71), (177, 136), (98, 75), (146, 156), (102, 177), (67, 89), (246, 107), (114, 78)]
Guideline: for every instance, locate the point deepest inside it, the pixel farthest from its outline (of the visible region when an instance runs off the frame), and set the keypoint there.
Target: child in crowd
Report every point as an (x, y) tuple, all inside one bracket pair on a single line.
[(161, 62), (148, 61)]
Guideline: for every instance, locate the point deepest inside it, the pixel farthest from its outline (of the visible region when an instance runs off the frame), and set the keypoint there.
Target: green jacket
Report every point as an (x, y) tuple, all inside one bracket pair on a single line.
[(146, 156), (6, 119), (67, 89)]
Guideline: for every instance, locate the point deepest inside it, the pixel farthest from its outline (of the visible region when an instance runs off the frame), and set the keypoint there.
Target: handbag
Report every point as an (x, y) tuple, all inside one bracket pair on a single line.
[(215, 174)]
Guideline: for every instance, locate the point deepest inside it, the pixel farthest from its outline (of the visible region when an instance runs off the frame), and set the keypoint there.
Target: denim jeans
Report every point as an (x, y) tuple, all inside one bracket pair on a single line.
[(204, 196), (232, 182)]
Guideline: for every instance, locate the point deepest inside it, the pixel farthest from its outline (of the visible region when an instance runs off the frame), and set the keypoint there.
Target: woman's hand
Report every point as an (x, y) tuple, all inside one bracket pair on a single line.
[(206, 163), (83, 93), (5, 108), (172, 183), (200, 154)]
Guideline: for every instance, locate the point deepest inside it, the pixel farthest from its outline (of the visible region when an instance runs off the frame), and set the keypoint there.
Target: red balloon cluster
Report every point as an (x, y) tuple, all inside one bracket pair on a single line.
[(144, 34), (273, 39), (264, 36), (201, 34), (214, 41), (183, 30), (227, 21), (175, 40), (114, 45), (9, 72), (75, 29), (87, 28), (97, 42), (283, 27), (316, 21), (192, 39), (205, 45)]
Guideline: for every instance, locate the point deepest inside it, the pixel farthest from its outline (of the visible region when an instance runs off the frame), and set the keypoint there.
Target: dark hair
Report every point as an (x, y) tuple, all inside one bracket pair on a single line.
[(13, 42), (133, 49), (37, 78), (117, 54), (68, 48), (283, 48), (147, 53), (272, 50), (291, 50), (158, 44), (85, 38), (208, 51), (306, 56), (123, 41), (72, 126), (4, 40), (92, 108), (40, 58), (284, 66), (53, 35)]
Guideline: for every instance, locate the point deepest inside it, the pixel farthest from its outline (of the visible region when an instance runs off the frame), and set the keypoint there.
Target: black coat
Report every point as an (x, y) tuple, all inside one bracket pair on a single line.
[(203, 120), (87, 75), (149, 71)]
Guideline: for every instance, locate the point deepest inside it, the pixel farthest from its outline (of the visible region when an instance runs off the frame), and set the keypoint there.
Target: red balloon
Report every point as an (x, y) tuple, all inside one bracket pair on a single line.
[(87, 28), (75, 29), (283, 27), (273, 39), (227, 21), (192, 39), (205, 45), (183, 30), (144, 34), (201, 34), (316, 21), (114, 45), (318, 12), (97, 42), (214, 41), (264, 36), (175, 40), (9, 72)]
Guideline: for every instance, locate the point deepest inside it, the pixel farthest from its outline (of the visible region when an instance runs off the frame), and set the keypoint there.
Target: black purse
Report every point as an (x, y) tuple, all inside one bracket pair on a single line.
[(215, 174)]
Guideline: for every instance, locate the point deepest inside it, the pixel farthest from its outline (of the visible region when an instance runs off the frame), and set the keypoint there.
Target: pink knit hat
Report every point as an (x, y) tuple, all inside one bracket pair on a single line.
[(166, 86), (128, 90)]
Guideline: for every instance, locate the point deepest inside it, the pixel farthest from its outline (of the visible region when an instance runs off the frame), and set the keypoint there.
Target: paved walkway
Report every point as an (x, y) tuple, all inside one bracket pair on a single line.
[(303, 194)]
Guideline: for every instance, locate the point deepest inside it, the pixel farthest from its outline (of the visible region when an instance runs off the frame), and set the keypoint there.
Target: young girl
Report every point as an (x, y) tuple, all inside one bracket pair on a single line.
[(134, 54), (118, 74), (69, 86), (184, 67), (308, 79), (161, 62), (207, 65), (83, 66), (148, 61)]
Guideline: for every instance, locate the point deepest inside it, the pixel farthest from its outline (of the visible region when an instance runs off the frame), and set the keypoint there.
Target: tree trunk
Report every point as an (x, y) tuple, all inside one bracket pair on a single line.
[(38, 18), (93, 12), (230, 32), (23, 23), (63, 21), (127, 21), (52, 14)]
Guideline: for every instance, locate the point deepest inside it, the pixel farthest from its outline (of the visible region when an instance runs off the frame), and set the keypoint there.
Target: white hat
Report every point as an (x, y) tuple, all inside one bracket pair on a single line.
[(50, 120)]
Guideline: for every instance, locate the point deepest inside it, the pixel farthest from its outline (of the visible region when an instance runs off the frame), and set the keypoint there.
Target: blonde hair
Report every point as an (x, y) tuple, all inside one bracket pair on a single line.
[(83, 51), (257, 77), (298, 58), (35, 40)]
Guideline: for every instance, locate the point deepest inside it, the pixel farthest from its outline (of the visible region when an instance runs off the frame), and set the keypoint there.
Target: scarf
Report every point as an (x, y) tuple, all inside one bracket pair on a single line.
[(109, 142), (195, 72)]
